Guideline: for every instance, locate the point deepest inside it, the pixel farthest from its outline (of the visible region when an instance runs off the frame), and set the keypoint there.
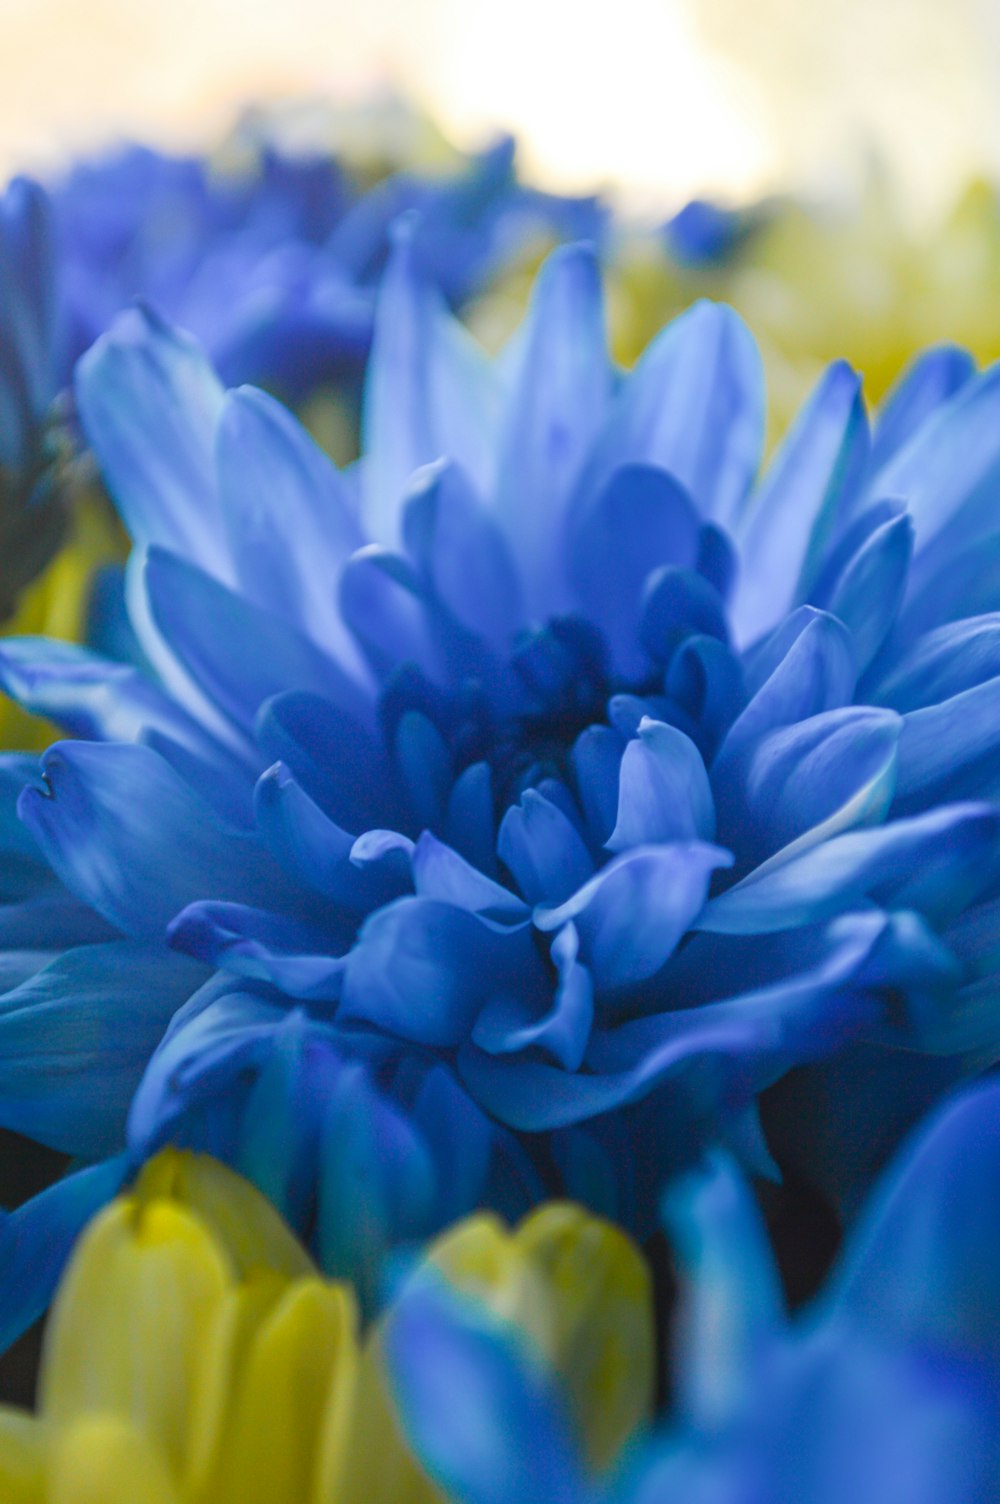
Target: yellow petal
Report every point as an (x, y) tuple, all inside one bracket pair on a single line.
[(482, 1257), (292, 1372), (242, 1221), (227, 1341), (22, 1458), (105, 1460), (129, 1319), (600, 1304)]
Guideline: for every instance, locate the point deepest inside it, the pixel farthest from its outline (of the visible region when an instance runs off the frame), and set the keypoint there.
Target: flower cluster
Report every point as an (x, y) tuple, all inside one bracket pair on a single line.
[(557, 807)]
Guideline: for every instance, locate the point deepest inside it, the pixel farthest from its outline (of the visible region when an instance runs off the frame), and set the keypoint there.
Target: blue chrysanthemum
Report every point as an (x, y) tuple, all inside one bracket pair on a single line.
[(274, 267), (517, 807)]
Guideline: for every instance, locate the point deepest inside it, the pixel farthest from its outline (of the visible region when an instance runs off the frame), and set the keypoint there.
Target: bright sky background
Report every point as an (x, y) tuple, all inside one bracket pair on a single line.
[(659, 97)]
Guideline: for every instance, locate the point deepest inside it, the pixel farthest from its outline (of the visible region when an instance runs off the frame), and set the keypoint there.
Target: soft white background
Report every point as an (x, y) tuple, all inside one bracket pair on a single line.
[(659, 97)]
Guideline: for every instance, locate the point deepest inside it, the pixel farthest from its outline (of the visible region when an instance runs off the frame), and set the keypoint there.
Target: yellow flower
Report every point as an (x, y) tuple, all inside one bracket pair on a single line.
[(195, 1356)]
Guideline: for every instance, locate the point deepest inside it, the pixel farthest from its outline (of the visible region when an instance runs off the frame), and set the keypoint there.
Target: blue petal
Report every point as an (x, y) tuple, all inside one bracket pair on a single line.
[(422, 969), (716, 1056), (677, 603), (933, 378), (632, 914), (868, 594), (219, 1036), (333, 757), (597, 755), (663, 792), (385, 605), (478, 1409), (694, 405), (440, 872), (310, 847), (426, 771), (948, 471), (429, 394), (88, 695), (75, 1038), (462, 553), (542, 849), (949, 749), (561, 394), (149, 404), (705, 682), (805, 669), (943, 663), (807, 782), (470, 826), (921, 1266), (936, 863), (509, 1025), (286, 509), (201, 620), (36, 1241), (299, 958), (125, 834), (801, 501), (640, 519)]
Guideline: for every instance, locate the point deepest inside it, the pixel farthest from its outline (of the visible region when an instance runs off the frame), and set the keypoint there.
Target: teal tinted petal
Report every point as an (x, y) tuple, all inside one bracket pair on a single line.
[(732, 1305), (36, 1241), (87, 1019), (299, 957)]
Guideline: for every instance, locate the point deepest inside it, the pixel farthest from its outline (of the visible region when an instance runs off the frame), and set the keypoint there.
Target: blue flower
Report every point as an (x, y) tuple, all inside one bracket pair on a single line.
[(547, 752), (705, 234), (274, 267), (885, 1389)]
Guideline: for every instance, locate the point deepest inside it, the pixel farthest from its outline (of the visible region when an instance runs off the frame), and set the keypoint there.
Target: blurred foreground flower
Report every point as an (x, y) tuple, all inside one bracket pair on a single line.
[(270, 254), (885, 1390), (194, 1354), (506, 815)]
